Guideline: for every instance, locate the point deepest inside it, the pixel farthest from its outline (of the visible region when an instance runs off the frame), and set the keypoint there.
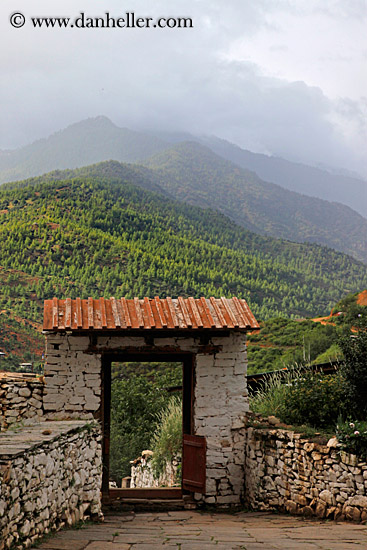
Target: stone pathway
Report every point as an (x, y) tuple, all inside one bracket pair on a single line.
[(192, 530)]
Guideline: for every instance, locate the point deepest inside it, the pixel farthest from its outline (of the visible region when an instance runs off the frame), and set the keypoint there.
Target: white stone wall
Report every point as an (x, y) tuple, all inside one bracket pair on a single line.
[(72, 378), (142, 474), (221, 403), (50, 476), (20, 399), (73, 389), (285, 472)]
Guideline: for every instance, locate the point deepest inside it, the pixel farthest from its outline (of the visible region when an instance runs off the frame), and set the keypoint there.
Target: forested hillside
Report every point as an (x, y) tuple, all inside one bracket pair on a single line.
[(283, 342), (194, 174), (83, 237), (301, 178)]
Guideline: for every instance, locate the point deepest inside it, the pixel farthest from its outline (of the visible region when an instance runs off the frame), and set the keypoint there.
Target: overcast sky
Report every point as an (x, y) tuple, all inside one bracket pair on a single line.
[(283, 77)]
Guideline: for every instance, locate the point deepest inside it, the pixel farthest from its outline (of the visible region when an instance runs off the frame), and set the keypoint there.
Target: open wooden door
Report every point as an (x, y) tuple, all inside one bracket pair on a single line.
[(194, 463)]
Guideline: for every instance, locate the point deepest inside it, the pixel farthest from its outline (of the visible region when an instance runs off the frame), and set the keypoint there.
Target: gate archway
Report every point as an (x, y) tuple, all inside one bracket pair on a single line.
[(209, 338)]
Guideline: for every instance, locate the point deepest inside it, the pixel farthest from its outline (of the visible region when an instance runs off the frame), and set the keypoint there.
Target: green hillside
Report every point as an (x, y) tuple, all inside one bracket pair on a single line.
[(196, 175), (216, 176), (88, 237), (283, 342)]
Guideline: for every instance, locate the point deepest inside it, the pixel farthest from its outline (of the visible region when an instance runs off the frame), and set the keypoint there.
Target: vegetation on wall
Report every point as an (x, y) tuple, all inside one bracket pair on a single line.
[(354, 369), (302, 398)]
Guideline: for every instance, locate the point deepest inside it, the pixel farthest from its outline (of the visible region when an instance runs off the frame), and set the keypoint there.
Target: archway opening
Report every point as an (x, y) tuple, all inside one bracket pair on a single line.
[(139, 392)]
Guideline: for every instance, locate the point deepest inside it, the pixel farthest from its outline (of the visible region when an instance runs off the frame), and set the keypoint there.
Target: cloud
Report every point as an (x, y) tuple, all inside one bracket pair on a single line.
[(211, 79)]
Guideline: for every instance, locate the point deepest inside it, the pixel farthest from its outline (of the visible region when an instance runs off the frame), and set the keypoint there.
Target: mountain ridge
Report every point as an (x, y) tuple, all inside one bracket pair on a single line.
[(258, 205), (194, 174)]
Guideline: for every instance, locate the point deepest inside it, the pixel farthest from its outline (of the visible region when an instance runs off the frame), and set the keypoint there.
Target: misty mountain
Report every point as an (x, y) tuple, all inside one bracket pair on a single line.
[(98, 139), (301, 178), (86, 142), (194, 174)]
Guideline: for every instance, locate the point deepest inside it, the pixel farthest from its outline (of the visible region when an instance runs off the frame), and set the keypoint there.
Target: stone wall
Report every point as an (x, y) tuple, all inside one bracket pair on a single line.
[(50, 476), (142, 474), (21, 397), (73, 379), (286, 472), (221, 402)]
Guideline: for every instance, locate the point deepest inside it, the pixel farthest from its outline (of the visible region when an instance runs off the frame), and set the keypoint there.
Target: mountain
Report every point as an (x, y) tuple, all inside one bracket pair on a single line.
[(97, 139), (86, 142), (298, 177), (89, 235), (194, 174)]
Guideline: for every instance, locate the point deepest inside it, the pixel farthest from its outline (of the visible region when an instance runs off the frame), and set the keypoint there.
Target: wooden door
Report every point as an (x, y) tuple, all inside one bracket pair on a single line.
[(194, 463)]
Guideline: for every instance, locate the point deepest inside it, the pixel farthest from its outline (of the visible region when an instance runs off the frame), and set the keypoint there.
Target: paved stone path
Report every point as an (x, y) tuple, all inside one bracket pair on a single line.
[(192, 530)]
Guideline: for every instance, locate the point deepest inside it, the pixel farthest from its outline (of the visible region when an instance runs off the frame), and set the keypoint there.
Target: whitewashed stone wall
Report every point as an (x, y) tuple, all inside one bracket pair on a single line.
[(73, 389), (50, 476), (221, 402), (285, 472), (20, 399), (142, 474), (72, 378)]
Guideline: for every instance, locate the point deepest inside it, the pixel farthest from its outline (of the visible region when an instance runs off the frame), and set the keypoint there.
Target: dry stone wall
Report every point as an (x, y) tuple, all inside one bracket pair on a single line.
[(285, 472), (50, 476), (21, 399), (73, 389), (143, 476)]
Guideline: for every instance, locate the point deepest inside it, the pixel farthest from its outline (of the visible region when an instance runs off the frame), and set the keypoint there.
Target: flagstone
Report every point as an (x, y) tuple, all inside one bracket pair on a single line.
[(185, 531)]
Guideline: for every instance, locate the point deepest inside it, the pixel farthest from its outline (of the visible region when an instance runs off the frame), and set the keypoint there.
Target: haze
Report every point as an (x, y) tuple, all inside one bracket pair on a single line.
[(277, 77)]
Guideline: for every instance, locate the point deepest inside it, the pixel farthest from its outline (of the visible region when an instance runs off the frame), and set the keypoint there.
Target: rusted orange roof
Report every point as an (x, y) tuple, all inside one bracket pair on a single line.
[(148, 313)]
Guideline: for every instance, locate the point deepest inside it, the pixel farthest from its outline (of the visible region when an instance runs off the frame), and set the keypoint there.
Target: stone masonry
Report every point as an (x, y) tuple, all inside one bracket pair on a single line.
[(143, 476), (73, 379), (286, 472), (20, 398), (50, 476)]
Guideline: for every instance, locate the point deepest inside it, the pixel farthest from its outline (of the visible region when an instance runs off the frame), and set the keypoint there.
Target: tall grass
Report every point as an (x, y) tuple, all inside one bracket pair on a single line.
[(302, 396), (167, 439), (270, 398)]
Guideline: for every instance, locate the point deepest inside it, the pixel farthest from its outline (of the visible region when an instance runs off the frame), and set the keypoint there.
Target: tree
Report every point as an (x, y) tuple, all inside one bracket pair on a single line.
[(354, 348)]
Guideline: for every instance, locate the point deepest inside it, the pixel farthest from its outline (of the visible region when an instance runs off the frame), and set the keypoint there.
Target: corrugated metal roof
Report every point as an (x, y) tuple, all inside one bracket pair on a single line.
[(148, 313)]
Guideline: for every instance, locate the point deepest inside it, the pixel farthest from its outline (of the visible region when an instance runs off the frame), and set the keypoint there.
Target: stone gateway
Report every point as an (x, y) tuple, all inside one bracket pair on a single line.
[(208, 336)]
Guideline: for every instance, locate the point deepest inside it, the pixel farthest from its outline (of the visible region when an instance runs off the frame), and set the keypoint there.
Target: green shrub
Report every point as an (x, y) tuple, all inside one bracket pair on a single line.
[(352, 437), (314, 399), (301, 397), (167, 439), (354, 348)]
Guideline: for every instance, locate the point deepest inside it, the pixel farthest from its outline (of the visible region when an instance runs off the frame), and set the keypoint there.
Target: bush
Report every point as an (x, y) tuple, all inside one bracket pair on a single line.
[(315, 399), (167, 439), (300, 397), (352, 437), (269, 400), (354, 348)]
